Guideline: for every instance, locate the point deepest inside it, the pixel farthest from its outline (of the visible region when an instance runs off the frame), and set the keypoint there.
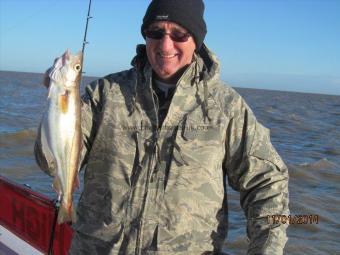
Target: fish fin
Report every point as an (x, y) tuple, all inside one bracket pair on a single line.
[(50, 159), (63, 101), (47, 79), (66, 213), (76, 183), (66, 56), (68, 53), (57, 185), (50, 89)]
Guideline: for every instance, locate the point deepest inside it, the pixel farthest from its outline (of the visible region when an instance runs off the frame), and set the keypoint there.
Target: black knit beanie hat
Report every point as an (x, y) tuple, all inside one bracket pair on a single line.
[(186, 13)]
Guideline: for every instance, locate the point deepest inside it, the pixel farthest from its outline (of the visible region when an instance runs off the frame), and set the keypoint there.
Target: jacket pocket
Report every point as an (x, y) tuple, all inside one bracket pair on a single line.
[(198, 145)]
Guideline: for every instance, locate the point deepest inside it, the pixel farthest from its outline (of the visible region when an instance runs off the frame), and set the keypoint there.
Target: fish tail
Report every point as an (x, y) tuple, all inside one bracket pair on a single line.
[(66, 213)]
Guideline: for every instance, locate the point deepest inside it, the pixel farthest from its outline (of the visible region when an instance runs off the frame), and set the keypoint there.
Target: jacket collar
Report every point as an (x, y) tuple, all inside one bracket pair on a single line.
[(191, 89)]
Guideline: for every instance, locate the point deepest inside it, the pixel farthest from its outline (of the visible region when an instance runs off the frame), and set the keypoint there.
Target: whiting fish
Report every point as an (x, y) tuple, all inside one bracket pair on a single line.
[(61, 128)]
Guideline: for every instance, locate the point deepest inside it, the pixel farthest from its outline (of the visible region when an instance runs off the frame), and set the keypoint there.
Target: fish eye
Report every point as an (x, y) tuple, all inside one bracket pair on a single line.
[(77, 67)]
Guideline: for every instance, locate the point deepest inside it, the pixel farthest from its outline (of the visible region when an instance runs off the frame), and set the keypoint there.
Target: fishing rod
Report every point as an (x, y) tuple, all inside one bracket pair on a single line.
[(87, 24), (85, 40)]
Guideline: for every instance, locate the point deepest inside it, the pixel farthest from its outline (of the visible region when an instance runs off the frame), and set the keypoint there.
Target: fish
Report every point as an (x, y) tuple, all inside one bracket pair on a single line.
[(61, 129)]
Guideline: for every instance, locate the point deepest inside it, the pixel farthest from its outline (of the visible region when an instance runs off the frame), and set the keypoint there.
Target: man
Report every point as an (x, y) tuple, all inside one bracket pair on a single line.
[(162, 139)]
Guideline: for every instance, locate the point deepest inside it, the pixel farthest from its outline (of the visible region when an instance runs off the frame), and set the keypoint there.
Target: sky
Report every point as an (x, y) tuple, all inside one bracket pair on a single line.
[(290, 45)]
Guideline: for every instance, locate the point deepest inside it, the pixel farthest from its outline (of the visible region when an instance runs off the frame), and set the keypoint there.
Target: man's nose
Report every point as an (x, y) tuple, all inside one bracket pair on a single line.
[(166, 43)]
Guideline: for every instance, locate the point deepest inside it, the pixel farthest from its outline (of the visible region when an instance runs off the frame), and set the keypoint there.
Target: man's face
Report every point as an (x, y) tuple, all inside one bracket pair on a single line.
[(167, 57)]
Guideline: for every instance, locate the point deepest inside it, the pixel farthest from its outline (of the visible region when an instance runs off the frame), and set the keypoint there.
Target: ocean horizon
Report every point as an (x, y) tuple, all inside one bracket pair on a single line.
[(226, 80)]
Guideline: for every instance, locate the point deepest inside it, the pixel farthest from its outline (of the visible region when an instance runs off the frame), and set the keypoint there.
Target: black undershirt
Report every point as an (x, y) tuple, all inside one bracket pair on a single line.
[(164, 101)]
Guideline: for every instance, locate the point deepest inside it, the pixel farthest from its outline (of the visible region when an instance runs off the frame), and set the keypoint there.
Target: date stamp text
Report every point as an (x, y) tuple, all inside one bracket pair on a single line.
[(293, 219)]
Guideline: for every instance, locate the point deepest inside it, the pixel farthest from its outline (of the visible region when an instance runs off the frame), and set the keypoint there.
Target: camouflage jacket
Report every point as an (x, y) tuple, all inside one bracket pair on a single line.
[(151, 190)]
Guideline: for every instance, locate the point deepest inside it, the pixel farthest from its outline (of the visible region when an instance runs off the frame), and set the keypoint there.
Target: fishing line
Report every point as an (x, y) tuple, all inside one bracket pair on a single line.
[(54, 223)]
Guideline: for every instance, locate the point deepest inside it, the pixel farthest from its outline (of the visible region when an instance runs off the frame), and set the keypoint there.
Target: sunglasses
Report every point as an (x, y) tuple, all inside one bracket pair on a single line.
[(176, 36)]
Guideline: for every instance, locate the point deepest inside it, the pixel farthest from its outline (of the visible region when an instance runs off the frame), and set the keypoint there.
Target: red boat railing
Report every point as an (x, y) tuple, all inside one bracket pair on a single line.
[(31, 216)]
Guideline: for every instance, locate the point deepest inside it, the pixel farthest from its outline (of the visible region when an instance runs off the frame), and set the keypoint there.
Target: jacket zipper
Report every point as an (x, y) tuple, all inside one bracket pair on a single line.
[(139, 242)]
